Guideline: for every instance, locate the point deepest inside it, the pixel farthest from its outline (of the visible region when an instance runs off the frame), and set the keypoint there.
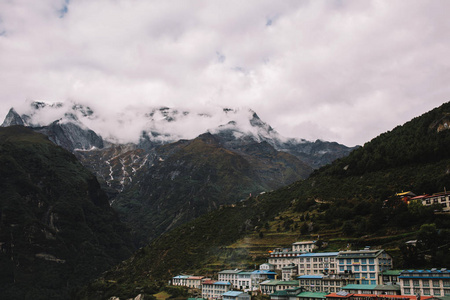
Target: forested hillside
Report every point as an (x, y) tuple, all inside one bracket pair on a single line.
[(349, 203), (57, 230)]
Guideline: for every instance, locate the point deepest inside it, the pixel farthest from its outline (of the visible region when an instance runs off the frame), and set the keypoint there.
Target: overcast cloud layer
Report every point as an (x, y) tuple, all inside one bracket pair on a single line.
[(336, 70)]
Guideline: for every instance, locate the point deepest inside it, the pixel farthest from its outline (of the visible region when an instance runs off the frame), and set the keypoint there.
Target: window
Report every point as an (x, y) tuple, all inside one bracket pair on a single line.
[(447, 292), (364, 281), (356, 268), (332, 289), (341, 268), (371, 261), (405, 282), (426, 283), (436, 292), (349, 261), (426, 291), (436, 283), (372, 268), (341, 262), (416, 282), (447, 283), (364, 268), (363, 261), (372, 275), (407, 291), (373, 282)]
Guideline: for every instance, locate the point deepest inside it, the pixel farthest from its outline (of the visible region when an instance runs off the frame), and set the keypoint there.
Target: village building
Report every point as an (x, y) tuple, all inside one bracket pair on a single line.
[(390, 277), (317, 263), (230, 275), (289, 272), (365, 264), (270, 286), (283, 257), (432, 282), (329, 283), (180, 280), (195, 282), (267, 267), (215, 289), (306, 246), (287, 294), (442, 199)]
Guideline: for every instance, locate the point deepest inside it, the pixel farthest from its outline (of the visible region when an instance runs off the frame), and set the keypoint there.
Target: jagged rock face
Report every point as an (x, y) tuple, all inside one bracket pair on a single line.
[(71, 137), (12, 118)]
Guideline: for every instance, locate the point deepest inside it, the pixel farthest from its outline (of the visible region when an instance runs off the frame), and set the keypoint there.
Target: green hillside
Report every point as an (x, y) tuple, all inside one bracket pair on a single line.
[(57, 230), (349, 203)]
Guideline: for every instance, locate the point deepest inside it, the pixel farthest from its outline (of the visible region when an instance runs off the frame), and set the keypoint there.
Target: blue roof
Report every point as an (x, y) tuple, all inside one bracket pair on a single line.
[(232, 293), (182, 276), (310, 277), (264, 272), (320, 254), (222, 282)]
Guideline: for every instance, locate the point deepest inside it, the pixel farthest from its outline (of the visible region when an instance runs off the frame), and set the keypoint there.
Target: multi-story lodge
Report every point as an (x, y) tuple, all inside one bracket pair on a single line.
[(306, 246), (432, 282), (442, 199), (230, 275), (317, 263), (215, 289), (245, 280), (325, 283), (282, 257), (189, 281), (365, 264), (289, 272), (270, 286)]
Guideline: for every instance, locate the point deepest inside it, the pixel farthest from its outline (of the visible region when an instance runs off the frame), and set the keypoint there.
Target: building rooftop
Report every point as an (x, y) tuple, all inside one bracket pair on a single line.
[(280, 282), (230, 271), (369, 287), (304, 243), (391, 272), (222, 283), (182, 276), (386, 287), (319, 254), (310, 277), (232, 293), (312, 295), (359, 253)]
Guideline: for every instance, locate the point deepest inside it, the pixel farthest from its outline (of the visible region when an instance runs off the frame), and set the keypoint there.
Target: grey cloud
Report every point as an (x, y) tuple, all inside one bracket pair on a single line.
[(334, 70)]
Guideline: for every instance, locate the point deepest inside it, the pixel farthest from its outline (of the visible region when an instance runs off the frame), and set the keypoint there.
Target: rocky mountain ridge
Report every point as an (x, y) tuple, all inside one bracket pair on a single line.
[(249, 157)]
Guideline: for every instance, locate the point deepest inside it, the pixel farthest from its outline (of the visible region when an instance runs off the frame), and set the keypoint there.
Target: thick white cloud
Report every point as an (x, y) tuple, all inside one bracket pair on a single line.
[(335, 70)]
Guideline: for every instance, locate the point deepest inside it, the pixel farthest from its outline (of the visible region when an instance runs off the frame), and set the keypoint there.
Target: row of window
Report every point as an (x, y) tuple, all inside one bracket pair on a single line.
[(317, 259), (357, 268), (308, 266), (416, 282), (427, 292)]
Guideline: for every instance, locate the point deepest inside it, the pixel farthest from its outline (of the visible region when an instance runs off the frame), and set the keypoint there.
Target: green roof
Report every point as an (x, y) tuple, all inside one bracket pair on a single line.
[(280, 282), (312, 295), (392, 287), (279, 293), (392, 272), (360, 287)]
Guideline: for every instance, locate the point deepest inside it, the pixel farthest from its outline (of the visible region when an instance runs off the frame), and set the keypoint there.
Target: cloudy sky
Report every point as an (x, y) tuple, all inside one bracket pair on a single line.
[(336, 70)]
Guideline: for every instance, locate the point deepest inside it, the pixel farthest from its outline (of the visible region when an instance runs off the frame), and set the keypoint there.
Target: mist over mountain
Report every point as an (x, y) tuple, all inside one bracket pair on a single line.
[(162, 167)]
